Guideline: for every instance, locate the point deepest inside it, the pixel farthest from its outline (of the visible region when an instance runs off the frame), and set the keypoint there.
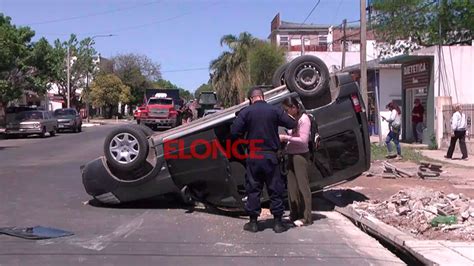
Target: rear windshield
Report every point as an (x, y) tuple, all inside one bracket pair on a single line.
[(33, 115), (160, 101), (64, 112), (207, 98)]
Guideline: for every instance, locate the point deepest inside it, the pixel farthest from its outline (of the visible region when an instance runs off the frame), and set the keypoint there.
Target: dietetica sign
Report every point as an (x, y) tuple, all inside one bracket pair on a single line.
[(413, 69)]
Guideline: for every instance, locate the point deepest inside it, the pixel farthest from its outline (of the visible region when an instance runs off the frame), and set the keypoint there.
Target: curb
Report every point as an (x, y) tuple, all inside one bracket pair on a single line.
[(405, 242)]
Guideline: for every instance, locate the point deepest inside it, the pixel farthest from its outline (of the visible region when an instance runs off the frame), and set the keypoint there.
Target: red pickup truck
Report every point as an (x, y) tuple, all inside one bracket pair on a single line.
[(158, 113)]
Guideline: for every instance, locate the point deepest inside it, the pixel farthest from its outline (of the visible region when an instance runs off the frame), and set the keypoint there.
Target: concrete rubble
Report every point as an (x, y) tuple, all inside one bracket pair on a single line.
[(413, 210)]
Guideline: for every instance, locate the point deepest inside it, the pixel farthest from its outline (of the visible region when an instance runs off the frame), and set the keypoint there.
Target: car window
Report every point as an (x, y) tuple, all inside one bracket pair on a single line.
[(160, 101), (32, 115), (60, 112), (207, 98)]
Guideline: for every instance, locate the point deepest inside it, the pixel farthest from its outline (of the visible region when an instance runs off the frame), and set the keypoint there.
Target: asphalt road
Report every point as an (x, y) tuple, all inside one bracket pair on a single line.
[(40, 184)]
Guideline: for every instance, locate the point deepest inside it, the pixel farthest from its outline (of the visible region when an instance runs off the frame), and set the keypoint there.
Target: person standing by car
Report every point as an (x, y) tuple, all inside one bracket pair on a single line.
[(260, 121), (417, 120), (394, 124), (299, 191), (458, 125)]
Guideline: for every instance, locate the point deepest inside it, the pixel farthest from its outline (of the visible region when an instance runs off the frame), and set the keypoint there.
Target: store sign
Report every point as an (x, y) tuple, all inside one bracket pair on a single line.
[(416, 75), (413, 69)]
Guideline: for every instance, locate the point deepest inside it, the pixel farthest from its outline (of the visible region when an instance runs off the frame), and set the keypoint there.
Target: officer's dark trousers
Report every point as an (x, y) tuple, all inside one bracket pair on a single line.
[(259, 172)]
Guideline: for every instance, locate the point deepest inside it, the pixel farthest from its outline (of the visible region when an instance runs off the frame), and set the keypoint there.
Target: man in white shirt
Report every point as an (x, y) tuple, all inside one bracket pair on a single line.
[(458, 125)]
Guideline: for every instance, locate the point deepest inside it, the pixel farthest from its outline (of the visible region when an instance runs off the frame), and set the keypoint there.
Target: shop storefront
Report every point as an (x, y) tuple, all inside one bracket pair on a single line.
[(417, 84)]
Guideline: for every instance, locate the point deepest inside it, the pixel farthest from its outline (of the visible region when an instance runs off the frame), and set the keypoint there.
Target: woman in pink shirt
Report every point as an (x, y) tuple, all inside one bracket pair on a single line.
[(299, 192)]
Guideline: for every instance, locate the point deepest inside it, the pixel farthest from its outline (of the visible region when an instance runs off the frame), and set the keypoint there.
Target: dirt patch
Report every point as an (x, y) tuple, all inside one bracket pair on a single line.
[(412, 204)]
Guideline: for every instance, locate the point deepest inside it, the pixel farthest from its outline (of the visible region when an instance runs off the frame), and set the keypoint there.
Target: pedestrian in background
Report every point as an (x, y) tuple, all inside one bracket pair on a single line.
[(299, 192), (458, 125), (417, 121), (394, 125), (260, 121)]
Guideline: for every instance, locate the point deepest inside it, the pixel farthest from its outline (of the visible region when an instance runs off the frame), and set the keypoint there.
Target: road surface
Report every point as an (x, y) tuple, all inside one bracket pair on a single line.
[(40, 184)]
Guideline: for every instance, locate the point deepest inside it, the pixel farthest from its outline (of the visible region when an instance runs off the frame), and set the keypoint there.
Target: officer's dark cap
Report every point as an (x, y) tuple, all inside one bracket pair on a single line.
[(255, 91)]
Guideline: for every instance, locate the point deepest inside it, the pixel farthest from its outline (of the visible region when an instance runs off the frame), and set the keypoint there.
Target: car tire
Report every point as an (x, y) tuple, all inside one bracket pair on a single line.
[(146, 130), (303, 68), (279, 75), (74, 128), (134, 144), (43, 133), (52, 133), (79, 128)]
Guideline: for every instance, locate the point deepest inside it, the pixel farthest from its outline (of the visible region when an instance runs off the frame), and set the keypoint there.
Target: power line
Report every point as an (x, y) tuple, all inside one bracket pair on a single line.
[(134, 26), (92, 14), (311, 12)]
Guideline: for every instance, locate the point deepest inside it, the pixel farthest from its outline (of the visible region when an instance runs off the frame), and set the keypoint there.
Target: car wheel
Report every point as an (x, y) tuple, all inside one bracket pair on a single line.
[(307, 75), (53, 133), (79, 128), (43, 132), (279, 75), (74, 128), (146, 130), (126, 148)]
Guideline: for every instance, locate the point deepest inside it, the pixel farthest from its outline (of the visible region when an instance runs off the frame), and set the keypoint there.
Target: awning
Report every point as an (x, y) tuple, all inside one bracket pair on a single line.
[(402, 59)]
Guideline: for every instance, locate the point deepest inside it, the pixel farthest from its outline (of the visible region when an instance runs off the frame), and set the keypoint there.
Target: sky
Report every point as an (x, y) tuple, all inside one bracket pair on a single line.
[(181, 35)]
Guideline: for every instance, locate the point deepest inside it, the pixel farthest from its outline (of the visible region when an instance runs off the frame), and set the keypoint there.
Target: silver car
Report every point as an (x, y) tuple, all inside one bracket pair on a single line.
[(32, 122)]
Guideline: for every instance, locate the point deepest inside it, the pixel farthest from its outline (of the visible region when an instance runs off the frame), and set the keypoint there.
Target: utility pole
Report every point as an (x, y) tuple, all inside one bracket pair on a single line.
[(88, 106), (68, 78), (363, 51), (343, 64)]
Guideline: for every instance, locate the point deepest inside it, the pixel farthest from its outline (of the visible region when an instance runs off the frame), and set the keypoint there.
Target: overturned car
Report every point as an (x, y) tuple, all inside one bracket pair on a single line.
[(137, 164)]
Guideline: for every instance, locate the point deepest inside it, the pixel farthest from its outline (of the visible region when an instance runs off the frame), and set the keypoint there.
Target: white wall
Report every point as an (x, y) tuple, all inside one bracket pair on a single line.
[(390, 86), (333, 60), (457, 72)]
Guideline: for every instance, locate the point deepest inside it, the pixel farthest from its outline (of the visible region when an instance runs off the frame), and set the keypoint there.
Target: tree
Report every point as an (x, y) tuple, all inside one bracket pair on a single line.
[(81, 55), (421, 20), (23, 64), (166, 84), (264, 59), (203, 87), (136, 71), (107, 90), (230, 71)]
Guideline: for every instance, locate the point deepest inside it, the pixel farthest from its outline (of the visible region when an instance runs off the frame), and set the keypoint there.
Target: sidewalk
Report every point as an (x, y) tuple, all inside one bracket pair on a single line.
[(438, 155), (435, 155), (429, 252)]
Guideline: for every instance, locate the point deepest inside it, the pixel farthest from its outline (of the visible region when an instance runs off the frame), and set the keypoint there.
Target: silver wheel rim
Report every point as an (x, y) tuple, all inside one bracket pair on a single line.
[(307, 77), (124, 148)]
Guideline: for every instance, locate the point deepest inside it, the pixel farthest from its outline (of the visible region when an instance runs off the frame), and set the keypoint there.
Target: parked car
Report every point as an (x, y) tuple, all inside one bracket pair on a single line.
[(32, 122), (138, 164), (68, 119)]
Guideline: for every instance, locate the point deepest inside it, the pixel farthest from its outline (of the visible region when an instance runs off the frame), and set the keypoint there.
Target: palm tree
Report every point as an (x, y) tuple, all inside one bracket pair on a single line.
[(230, 71)]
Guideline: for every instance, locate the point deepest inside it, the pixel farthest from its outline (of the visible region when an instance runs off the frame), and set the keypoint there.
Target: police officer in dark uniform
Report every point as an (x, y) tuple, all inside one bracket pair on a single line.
[(260, 121)]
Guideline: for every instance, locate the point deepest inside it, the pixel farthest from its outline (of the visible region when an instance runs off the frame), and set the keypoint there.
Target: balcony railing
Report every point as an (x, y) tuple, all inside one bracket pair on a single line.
[(310, 48)]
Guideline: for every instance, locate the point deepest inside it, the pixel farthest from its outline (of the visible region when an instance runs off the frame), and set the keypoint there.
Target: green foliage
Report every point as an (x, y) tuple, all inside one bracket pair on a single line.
[(433, 143), (82, 67), (419, 20), (136, 71), (166, 84), (203, 87), (230, 71), (378, 152), (264, 59), (22, 63), (108, 90)]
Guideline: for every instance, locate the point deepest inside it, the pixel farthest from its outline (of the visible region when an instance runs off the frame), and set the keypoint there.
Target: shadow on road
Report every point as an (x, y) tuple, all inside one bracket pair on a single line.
[(329, 199), (171, 202)]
